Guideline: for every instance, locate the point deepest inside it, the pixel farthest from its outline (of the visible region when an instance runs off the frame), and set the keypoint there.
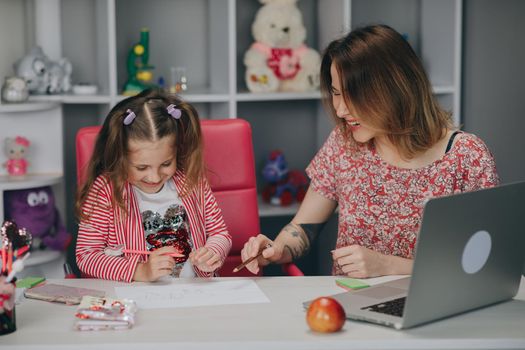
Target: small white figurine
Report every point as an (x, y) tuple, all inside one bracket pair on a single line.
[(14, 90)]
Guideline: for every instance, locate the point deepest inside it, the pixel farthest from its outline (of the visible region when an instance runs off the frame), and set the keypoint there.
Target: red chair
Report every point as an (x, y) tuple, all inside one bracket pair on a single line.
[(228, 154)]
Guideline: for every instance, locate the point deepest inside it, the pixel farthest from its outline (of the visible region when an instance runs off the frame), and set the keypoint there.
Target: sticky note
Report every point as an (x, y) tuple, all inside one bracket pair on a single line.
[(29, 282), (350, 283)]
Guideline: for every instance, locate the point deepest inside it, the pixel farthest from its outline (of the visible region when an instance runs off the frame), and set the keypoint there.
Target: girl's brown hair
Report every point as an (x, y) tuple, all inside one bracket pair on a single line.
[(152, 122), (386, 83)]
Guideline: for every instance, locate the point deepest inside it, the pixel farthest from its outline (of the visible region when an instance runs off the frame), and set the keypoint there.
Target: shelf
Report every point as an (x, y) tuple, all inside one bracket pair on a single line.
[(27, 107), (266, 209), (71, 98), (29, 181), (278, 96), (42, 256), (197, 95), (444, 89)]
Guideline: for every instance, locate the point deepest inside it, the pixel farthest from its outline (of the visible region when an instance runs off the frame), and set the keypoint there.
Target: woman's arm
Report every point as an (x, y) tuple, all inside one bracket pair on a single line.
[(294, 240)]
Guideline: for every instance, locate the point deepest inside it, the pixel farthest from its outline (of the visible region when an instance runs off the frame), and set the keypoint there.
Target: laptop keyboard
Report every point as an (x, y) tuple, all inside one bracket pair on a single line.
[(393, 307)]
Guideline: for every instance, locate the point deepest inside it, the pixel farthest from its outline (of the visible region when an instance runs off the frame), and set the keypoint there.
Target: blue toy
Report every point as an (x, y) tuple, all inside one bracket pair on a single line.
[(284, 185)]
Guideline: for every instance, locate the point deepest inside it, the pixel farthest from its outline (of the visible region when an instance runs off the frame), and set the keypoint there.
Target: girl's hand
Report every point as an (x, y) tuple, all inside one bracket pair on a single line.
[(205, 259), (254, 246), (159, 264), (360, 262)]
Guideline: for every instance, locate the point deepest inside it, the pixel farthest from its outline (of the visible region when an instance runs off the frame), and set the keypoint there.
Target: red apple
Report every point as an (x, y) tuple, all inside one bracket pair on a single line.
[(325, 315)]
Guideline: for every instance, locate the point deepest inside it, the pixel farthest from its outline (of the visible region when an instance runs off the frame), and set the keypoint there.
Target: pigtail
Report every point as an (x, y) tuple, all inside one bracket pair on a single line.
[(189, 147)]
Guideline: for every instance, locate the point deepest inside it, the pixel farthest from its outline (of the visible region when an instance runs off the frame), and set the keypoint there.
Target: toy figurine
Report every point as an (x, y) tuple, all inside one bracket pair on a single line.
[(16, 150), (139, 71), (42, 75), (284, 185), (14, 90), (279, 60), (35, 210)]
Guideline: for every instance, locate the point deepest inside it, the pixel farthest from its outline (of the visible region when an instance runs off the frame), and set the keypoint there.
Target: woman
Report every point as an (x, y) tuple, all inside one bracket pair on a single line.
[(393, 147)]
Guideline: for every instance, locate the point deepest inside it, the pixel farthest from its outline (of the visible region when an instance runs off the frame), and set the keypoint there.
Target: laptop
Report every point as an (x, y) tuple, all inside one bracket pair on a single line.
[(470, 253)]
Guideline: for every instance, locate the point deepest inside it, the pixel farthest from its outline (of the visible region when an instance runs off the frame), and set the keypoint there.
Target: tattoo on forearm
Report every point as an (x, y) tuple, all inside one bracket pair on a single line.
[(312, 230), (303, 244)]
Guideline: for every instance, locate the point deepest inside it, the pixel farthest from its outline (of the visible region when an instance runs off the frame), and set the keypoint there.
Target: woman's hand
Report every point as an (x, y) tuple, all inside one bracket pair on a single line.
[(360, 262), (159, 264), (205, 259), (254, 246)]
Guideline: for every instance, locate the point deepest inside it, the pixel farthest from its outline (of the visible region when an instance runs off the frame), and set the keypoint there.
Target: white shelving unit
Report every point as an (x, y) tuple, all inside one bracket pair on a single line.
[(209, 38)]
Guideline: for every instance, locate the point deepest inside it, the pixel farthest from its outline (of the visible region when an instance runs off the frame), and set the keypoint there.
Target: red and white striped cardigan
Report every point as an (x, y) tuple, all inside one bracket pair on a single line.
[(108, 226)]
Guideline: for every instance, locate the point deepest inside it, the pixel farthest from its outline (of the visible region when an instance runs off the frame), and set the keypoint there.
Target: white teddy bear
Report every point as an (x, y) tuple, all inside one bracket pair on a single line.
[(279, 60)]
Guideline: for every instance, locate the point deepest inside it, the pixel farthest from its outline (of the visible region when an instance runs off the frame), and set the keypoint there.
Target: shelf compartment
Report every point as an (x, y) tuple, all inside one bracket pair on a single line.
[(90, 56), (43, 128), (170, 23), (245, 16)]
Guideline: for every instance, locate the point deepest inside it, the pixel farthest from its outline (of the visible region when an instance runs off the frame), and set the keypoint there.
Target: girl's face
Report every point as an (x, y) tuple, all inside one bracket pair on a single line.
[(151, 164), (360, 131)]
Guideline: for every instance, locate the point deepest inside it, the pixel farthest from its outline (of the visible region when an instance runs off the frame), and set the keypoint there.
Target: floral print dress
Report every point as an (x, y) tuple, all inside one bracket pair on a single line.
[(380, 205)]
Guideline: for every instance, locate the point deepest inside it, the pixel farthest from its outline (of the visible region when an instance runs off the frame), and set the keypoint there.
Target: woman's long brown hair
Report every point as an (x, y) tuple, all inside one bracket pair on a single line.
[(386, 83)]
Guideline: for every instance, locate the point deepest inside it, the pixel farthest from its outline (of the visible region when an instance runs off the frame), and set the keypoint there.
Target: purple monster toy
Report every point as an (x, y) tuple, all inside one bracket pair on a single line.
[(34, 209)]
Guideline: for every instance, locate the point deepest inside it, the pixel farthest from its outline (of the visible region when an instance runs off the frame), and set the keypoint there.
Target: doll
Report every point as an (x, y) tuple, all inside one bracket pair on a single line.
[(15, 150)]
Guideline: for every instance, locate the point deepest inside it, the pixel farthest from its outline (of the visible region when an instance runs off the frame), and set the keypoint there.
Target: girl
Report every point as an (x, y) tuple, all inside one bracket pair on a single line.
[(392, 148), (146, 190)]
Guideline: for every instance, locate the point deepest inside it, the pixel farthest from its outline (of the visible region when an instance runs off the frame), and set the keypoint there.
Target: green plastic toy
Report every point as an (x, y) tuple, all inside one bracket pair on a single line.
[(139, 71)]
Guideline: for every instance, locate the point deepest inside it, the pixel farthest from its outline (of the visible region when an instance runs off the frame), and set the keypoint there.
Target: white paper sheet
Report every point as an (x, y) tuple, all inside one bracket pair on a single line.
[(202, 293)]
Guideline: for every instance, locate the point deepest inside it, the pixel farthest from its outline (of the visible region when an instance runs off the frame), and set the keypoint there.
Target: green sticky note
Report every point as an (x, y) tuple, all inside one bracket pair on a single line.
[(350, 283), (29, 282)]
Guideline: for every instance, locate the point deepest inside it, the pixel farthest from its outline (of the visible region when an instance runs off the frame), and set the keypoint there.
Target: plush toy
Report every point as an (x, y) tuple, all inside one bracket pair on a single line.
[(15, 150), (284, 185), (35, 210), (42, 75), (279, 60)]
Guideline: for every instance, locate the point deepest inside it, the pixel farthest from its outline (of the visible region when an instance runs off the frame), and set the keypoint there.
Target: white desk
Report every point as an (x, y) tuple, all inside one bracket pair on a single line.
[(277, 325)]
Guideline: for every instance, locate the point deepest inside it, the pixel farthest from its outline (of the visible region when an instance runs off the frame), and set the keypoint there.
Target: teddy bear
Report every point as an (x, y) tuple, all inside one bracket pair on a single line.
[(15, 150), (279, 60)]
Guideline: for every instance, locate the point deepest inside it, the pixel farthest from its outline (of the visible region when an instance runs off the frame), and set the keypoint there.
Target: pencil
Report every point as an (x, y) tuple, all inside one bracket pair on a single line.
[(243, 265)]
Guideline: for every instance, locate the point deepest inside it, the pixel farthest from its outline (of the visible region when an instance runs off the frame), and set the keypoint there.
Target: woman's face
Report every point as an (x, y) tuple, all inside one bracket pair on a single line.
[(360, 131), (151, 164)]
